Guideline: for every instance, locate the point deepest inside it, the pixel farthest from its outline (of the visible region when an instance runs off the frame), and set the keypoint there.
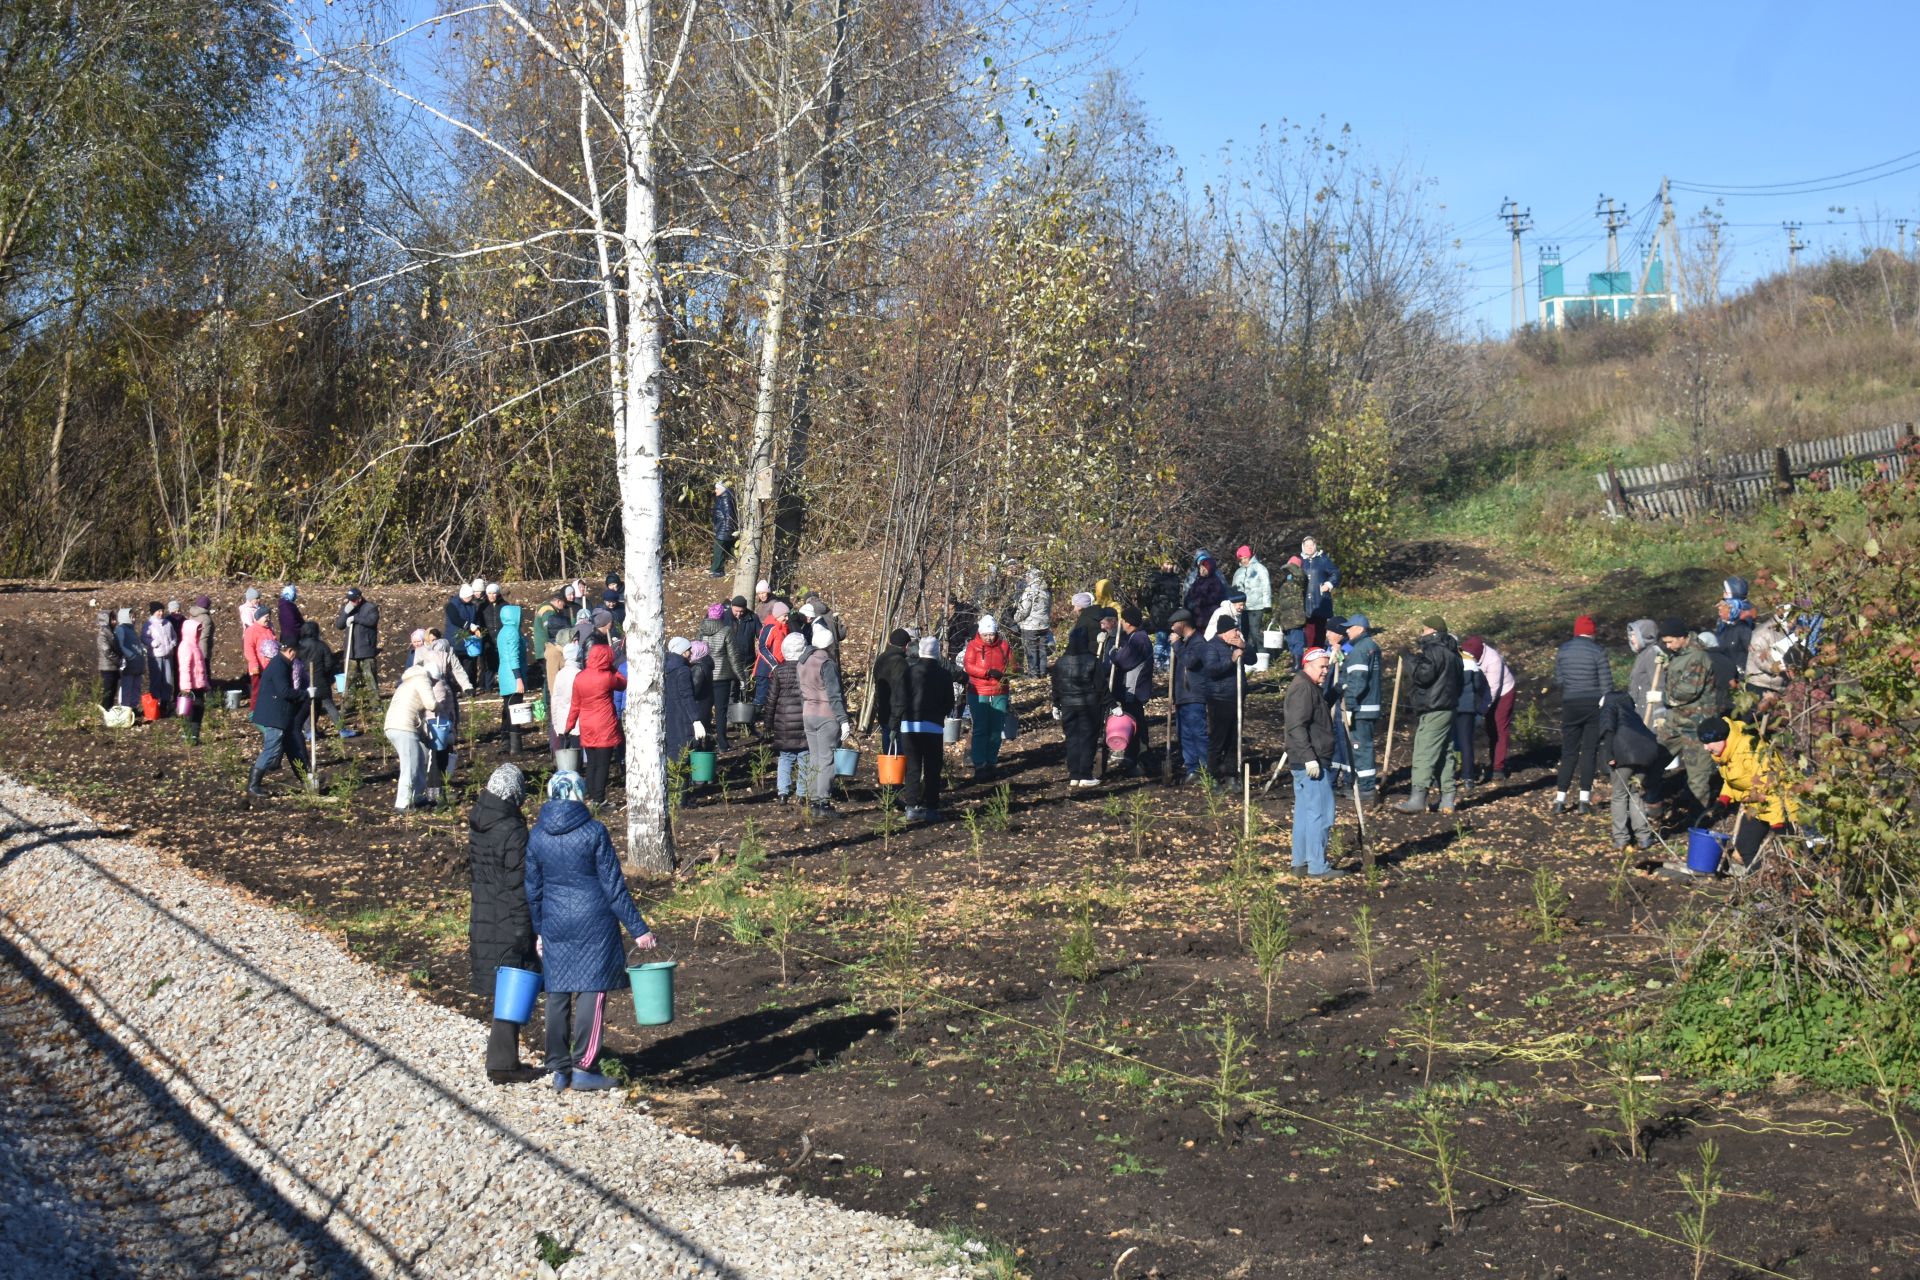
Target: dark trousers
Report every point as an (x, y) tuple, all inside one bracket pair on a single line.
[(1136, 711), (109, 688), (366, 671), (1464, 724), (1223, 760), (722, 547), (130, 686), (926, 756), (722, 696), (1191, 717), (1366, 772), (1579, 741), (598, 762), (1500, 729), (576, 1029), (1081, 725), (1034, 646), (160, 683), (503, 1046), (196, 712)]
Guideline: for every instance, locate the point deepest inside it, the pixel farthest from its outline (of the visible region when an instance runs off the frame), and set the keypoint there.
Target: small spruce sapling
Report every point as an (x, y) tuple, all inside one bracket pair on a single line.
[(1270, 932)]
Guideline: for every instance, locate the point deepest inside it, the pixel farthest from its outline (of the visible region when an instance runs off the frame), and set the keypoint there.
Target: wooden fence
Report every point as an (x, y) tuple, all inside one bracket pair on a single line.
[(1738, 481)]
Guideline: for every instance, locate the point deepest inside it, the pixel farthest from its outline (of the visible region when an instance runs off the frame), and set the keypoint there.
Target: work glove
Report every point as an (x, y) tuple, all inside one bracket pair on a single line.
[(1056, 713), (846, 730), (699, 731), (1313, 770), (1655, 697)]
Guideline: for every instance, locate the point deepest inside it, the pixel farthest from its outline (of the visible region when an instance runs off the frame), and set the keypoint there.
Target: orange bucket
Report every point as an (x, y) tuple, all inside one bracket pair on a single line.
[(892, 770)]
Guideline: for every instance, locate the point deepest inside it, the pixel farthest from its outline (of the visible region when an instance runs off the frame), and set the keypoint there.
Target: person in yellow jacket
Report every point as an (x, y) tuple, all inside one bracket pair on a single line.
[(1754, 780)]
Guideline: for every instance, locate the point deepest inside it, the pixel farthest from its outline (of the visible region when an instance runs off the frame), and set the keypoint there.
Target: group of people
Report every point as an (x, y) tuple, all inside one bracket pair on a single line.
[(1677, 747)]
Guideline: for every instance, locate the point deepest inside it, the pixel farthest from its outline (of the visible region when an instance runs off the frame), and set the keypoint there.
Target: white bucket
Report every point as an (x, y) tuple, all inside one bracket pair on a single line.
[(1271, 639), (520, 713)]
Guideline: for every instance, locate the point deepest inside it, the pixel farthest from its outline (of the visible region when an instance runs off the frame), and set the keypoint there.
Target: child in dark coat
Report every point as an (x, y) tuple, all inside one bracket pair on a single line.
[(499, 925)]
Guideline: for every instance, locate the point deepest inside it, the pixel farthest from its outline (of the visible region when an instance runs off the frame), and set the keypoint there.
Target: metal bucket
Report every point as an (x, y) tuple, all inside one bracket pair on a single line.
[(954, 729), (233, 697), (567, 759), (739, 713)]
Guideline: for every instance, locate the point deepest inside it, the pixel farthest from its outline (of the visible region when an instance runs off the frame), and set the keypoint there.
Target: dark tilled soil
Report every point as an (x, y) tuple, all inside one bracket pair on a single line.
[(1096, 1157)]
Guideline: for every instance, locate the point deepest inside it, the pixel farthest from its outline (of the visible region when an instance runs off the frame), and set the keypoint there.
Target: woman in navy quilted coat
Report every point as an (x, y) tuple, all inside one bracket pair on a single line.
[(578, 899)]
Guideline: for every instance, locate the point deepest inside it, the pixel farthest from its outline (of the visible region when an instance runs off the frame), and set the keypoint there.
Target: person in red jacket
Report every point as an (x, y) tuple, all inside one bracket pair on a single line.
[(258, 631), (986, 661), (592, 715)]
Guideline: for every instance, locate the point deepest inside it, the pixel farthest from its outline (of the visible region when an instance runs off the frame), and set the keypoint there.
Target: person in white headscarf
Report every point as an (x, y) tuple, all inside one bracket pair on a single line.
[(823, 712), (560, 699), (406, 725)]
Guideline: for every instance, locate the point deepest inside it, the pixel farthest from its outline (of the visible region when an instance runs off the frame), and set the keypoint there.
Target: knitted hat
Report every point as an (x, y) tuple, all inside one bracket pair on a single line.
[(1473, 645), (1583, 625), (253, 593), (792, 647), (1437, 622), (1133, 616), (1244, 553), (466, 591), (493, 588), (1295, 561), (289, 592), (929, 646), (697, 650), (173, 606), (203, 602), (1671, 626), (679, 645), (778, 609), (761, 587), (508, 783), (987, 626), (603, 617), (1083, 599), (739, 602), (821, 636), (715, 612), (1713, 729), (418, 638), (478, 585), (899, 637), (1316, 653)]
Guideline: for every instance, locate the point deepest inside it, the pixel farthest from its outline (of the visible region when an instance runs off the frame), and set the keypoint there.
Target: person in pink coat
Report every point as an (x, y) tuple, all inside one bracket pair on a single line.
[(195, 678), (1501, 688)]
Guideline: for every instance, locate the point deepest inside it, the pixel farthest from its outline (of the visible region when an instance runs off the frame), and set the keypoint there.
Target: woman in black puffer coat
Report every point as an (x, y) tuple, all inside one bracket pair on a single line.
[(1076, 696), (786, 713), (499, 926)]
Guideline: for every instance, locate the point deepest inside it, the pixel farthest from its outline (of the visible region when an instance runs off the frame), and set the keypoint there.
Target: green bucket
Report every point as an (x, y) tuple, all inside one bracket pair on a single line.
[(701, 764), (653, 992)]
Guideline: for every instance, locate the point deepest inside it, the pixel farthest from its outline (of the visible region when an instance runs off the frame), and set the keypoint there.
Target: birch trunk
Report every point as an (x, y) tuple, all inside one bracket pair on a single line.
[(759, 486), (642, 500)]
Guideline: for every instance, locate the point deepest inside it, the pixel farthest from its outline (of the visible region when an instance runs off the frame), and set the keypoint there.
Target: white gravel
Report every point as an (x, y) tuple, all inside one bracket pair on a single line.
[(282, 1109)]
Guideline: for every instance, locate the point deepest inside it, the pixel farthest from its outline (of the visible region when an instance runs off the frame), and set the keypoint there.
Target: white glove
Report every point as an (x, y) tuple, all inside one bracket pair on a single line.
[(1056, 713), (1655, 697), (540, 948), (699, 731), (1313, 770), (846, 730)]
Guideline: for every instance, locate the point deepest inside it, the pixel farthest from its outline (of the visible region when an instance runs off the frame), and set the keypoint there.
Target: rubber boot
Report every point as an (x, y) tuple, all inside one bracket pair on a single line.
[(513, 742), (253, 781), (1446, 802), (1413, 804)]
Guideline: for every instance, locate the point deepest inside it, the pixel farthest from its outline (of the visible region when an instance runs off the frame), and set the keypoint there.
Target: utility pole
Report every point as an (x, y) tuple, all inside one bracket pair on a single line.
[(1794, 246), (1900, 230), (1518, 220), (1615, 215), (1664, 232)]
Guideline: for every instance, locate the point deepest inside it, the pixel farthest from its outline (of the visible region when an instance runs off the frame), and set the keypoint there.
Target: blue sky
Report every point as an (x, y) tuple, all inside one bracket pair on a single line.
[(1554, 105)]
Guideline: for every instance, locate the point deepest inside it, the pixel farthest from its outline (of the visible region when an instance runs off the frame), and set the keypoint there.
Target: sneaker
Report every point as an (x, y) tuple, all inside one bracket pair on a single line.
[(1499, 775), (1331, 873), (514, 1075), (1585, 809), (589, 1081), (561, 1080)]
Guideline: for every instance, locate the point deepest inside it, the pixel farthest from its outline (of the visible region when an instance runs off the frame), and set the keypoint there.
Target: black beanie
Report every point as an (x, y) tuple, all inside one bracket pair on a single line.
[(1713, 729), (899, 637), (1673, 627), (1133, 616)]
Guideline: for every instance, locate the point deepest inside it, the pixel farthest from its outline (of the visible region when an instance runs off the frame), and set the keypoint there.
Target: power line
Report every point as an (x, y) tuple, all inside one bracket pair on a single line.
[(1803, 182), (1799, 191)]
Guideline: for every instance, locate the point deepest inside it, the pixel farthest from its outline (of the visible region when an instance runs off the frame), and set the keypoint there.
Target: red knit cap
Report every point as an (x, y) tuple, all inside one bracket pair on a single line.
[(1583, 625)]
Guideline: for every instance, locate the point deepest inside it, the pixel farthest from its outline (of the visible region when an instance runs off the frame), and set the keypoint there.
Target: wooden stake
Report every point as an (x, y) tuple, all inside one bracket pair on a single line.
[(1393, 715)]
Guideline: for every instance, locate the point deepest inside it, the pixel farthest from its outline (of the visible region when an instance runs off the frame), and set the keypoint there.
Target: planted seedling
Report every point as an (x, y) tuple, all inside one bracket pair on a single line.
[(1702, 1191), (1549, 905), (1270, 932), (890, 821), (1438, 1140), (1429, 1016), (1080, 948), (1631, 1093), (786, 909), (1364, 944), (997, 810), (1231, 1085)]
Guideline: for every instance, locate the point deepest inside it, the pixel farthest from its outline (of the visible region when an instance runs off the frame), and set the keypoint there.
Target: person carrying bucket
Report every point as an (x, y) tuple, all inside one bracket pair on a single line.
[(824, 712), (1754, 786), (986, 661), (499, 922), (577, 901)]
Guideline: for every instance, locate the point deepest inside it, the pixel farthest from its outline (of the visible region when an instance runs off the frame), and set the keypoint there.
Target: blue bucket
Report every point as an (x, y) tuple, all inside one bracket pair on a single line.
[(846, 761), (1704, 850), (513, 993)]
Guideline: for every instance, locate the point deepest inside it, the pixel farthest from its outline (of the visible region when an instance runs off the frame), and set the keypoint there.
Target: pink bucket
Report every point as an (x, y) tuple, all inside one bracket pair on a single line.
[(1119, 732)]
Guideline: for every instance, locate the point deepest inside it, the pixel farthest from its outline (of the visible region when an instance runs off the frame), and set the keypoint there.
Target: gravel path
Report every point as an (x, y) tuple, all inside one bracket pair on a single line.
[(193, 1084)]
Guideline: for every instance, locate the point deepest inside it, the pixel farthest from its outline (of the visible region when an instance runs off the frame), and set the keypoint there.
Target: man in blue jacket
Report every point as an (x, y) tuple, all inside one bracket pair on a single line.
[(1360, 678), (275, 712), (726, 522)]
